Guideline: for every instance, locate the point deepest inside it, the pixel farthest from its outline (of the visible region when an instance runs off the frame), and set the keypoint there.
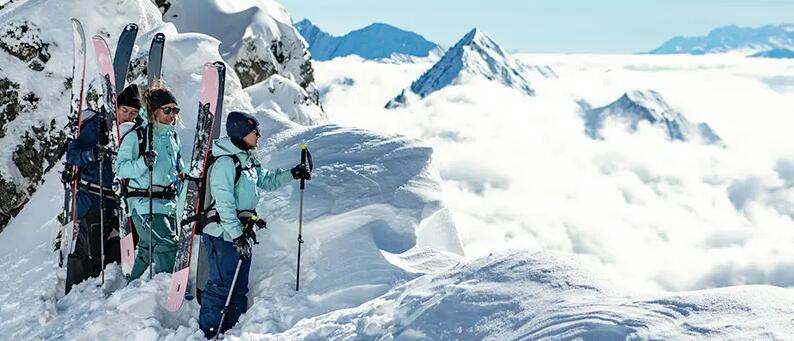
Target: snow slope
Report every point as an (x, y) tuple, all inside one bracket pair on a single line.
[(521, 295), (376, 41), (732, 38), (475, 55), (648, 107)]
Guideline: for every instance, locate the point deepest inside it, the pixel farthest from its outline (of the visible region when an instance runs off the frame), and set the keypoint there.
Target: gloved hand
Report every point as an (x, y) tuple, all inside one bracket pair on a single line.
[(260, 224), (103, 152), (243, 246), (149, 158), (301, 172)]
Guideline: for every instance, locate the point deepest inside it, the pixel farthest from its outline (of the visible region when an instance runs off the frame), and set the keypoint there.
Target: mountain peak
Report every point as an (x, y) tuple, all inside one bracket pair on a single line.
[(476, 54), (648, 106)]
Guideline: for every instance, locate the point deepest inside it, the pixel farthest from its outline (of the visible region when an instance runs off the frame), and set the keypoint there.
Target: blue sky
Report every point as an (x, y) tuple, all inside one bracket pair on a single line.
[(610, 26)]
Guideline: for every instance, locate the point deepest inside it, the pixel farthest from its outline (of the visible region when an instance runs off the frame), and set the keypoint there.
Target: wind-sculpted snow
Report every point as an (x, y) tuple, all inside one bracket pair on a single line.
[(521, 295), (373, 220), (285, 96)]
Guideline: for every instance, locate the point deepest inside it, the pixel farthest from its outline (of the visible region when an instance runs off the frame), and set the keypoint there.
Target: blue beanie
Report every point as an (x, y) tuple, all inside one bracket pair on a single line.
[(240, 124)]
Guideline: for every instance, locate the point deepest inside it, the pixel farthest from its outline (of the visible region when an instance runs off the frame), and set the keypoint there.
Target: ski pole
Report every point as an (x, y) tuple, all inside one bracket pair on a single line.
[(101, 218), (229, 296), (151, 213), (304, 155)]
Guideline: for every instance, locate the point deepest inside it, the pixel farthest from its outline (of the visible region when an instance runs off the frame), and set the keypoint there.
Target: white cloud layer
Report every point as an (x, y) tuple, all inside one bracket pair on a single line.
[(520, 172)]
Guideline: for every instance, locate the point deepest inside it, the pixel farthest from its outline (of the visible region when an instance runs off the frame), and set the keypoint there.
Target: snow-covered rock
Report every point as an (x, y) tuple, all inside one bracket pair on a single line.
[(285, 96), (648, 107), (257, 38), (376, 41), (548, 296), (35, 82), (732, 38), (475, 55)]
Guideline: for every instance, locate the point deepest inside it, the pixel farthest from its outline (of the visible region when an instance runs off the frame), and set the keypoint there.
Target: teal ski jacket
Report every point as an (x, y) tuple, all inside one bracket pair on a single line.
[(166, 170), (230, 197)]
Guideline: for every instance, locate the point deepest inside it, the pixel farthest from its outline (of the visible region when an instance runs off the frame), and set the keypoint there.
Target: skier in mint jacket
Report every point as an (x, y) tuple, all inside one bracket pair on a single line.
[(85, 152), (134, 161), (235, 199)]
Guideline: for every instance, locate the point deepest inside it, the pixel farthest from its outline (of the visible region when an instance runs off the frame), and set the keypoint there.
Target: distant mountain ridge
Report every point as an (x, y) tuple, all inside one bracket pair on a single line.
[(733, 38), (376, 41)]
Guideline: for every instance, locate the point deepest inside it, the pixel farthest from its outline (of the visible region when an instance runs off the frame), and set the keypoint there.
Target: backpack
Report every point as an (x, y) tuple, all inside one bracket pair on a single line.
[(208, 213)]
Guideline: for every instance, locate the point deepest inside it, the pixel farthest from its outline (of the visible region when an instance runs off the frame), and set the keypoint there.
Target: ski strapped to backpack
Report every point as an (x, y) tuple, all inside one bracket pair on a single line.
[(190, 200), (68, 175), (209, 214)]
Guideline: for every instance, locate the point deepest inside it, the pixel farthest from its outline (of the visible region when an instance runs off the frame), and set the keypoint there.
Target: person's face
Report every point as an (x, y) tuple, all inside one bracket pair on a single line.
[(127, 114), (167, 114), (252, 139)]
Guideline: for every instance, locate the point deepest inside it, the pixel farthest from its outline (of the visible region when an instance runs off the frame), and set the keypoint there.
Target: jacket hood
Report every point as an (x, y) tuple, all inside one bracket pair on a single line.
[(224, 146)]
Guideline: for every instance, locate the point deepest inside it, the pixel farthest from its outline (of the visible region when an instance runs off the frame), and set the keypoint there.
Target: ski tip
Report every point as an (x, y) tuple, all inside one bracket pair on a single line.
[(131, 27), (219, 65), (160, 36), (304, 146)]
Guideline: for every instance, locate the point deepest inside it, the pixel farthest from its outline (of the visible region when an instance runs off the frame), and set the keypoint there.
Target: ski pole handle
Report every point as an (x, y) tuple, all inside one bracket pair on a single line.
[(304, 151)]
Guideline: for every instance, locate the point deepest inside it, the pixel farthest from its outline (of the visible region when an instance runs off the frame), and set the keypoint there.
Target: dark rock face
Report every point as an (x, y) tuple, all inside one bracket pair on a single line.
[(21, 39), (254, 70)]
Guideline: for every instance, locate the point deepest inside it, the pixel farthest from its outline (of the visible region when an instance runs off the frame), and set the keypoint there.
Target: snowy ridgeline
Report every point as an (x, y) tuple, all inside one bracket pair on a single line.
[(770, 41), (377, 41)]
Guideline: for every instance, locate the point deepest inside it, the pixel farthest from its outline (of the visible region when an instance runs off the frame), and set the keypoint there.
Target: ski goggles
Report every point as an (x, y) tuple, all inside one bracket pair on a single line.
[(170, 110)]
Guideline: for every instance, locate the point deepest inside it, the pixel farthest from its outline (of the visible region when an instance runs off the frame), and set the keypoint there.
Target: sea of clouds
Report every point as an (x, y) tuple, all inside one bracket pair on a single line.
[(520, 173)]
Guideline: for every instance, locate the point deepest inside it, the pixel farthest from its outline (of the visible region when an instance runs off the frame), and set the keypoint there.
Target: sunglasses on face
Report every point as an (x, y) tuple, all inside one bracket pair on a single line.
[(258, 134), (170, 110)]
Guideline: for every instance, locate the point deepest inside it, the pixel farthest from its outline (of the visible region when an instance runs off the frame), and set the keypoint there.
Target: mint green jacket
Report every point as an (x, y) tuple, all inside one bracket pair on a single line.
[(231, 198), (129, 165)]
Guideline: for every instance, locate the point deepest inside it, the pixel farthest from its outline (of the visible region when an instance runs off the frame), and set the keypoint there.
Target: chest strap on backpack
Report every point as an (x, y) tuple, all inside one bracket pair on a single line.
[(94, 189), (158, 192)]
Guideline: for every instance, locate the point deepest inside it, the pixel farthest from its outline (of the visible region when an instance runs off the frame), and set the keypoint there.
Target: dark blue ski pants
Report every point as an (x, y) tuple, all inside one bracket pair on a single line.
[(222, 260)]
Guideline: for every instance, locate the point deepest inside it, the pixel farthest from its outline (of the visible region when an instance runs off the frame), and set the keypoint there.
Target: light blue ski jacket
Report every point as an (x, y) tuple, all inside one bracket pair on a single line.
[(230, 198), (129, 165)]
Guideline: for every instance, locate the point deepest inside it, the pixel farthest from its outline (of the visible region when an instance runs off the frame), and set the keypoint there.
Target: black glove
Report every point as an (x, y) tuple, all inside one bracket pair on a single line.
[(149, 158), (103, 152), (243, 246), (260, 224), (301, 172)]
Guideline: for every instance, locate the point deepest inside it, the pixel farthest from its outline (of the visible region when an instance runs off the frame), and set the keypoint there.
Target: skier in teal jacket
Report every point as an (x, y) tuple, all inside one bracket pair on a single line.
[(153, 147), (234, 183)]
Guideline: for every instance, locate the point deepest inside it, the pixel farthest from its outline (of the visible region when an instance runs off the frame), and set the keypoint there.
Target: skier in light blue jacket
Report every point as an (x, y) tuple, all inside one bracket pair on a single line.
[(235, 179), (152, 149)]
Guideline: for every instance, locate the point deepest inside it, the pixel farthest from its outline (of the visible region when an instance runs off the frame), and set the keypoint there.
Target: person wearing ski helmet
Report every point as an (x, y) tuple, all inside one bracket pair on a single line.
[(234, 181), (86, 151), (153, 146)]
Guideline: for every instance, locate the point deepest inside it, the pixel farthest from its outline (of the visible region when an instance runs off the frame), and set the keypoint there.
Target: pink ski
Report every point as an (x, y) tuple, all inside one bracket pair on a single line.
[(190, 201)]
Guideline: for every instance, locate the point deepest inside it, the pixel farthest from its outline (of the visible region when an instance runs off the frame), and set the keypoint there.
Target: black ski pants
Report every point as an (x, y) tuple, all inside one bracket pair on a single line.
[(85, 261)]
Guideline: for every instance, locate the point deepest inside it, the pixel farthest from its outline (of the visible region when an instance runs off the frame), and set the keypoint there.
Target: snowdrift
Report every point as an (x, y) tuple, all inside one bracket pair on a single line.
[(549, 296)]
